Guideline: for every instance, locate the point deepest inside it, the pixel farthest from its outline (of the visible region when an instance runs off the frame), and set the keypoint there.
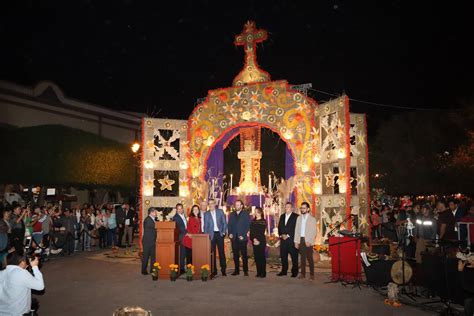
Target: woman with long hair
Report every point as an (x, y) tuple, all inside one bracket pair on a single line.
[(257, 236), (193, 227)]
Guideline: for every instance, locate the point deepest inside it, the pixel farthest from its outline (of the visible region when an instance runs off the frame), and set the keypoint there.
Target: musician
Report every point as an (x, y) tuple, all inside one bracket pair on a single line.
[(426, 228)]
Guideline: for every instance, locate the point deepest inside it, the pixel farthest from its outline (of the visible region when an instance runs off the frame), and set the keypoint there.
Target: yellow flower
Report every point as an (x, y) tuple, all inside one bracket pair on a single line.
[(155, 264)]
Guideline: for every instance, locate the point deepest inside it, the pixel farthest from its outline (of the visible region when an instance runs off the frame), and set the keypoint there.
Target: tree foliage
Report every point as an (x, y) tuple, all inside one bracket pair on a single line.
[(59, 155), (423, 153)]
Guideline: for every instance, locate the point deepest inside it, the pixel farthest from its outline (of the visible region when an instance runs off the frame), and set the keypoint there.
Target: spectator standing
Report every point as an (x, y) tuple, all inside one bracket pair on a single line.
[(446, 222), (112, 229), (17, 227), (101, 226), (68, 222), (128, 225), (120, 220)]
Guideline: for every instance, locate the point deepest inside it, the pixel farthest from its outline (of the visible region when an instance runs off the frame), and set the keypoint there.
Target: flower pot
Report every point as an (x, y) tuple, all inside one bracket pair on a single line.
[(154, 277), (189, 278), (204, 278), (173, 277)]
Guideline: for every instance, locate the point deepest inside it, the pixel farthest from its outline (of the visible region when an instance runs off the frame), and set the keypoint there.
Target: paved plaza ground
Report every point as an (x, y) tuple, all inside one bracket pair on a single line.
[(83, 285)]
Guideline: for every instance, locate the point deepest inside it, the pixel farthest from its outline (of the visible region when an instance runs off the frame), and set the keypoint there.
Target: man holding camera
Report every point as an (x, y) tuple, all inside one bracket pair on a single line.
[(16, 284)]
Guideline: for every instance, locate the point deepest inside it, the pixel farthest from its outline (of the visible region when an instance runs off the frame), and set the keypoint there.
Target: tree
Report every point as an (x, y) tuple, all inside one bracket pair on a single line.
[(410, 153), (59, 155)]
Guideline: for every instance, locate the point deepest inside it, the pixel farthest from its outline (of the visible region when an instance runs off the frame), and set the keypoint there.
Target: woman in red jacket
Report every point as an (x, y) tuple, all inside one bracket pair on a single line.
[(193, 227)]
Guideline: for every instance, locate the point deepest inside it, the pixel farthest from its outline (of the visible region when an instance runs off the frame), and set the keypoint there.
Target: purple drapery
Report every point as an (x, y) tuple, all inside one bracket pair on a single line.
[(289, 168), (215, 161)]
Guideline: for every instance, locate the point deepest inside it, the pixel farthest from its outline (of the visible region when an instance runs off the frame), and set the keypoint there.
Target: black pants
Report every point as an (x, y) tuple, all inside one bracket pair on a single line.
[(121, 230), (218, 242), (102, 237), (287, 247), (70, 243), (260, 262), (17, 237), (149, 253), (182, 257), (46, 240), (189, 256), (239, 248)]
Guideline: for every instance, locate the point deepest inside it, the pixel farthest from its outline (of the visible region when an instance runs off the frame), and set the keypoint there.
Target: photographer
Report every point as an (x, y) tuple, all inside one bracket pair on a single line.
[(16, 283)]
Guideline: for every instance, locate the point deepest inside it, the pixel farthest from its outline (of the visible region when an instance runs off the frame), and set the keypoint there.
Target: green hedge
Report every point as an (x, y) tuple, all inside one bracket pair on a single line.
[(59, 155)]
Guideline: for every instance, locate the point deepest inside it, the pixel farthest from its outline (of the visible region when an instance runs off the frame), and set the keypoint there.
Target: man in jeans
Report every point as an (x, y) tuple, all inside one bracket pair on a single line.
[(305, 234)]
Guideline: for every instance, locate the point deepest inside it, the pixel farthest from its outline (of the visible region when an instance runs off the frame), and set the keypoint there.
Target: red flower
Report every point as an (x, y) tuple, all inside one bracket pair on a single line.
[(197, 154), (268, 90), (223, 97), (299, 144), (298, 117)]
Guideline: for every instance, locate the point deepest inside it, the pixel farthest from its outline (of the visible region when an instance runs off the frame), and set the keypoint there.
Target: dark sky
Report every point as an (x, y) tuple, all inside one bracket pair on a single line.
[(151, 55)]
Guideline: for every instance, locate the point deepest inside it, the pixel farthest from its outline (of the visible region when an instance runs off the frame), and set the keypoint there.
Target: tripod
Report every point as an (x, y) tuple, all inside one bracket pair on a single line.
[(403, 290)]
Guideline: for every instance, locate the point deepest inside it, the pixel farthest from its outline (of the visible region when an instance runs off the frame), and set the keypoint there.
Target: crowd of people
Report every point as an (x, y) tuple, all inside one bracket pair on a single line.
[(297, 236), (438, 222), (30, 235), (52, 229)]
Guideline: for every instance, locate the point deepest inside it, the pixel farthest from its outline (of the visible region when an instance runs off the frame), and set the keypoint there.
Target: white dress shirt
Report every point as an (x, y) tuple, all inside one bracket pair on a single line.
[(184, 220), (304, 218), (202, 221), (15, 289), (214, 219), (287, 217)]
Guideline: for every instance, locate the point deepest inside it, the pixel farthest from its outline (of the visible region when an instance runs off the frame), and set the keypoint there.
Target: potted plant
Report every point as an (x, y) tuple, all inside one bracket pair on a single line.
[(173, 272), (189, 272), (205, 272), (155, 271)]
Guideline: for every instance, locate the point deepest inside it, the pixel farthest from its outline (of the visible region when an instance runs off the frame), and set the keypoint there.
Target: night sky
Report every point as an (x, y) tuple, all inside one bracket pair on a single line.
[(160, 56)]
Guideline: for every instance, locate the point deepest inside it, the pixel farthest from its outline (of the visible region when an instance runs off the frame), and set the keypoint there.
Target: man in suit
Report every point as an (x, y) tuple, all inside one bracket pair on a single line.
[(204, 209), (215, 225), (128, 225), (305, 235), (149, 240), (120, 218), (286, 230), (181, 224), (239, 225)]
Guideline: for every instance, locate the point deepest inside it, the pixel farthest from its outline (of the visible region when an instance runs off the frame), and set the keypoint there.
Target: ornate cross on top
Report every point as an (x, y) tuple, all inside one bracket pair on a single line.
[(249, 38)]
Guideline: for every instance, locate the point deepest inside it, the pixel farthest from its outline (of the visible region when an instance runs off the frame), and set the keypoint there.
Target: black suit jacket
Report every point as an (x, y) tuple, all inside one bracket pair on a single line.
[(289, 228), (180, 225), (149, 232), (130, 215)]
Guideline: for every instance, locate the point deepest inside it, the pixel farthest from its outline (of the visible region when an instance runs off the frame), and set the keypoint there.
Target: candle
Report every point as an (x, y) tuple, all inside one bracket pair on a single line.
[(231, 184), (269, 183)]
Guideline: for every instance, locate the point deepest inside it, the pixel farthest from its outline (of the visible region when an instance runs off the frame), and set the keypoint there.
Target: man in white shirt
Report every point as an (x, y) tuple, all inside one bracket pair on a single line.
[(215, 225), (286, 231), (305, 235), (203, 211), (16, 284)]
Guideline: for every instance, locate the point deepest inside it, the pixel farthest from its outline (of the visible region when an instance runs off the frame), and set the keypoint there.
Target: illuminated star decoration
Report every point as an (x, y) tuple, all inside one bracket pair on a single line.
[(361, 139), (362, 221), (166, 183), (329, 179), (361, 180)]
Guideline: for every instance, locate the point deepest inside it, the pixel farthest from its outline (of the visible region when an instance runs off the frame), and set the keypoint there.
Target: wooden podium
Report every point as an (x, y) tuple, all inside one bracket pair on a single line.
[(201, 253), (166, 246)]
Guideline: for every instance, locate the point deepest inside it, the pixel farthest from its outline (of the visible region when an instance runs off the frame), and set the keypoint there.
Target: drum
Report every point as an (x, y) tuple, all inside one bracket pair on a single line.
[(397, 272)]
